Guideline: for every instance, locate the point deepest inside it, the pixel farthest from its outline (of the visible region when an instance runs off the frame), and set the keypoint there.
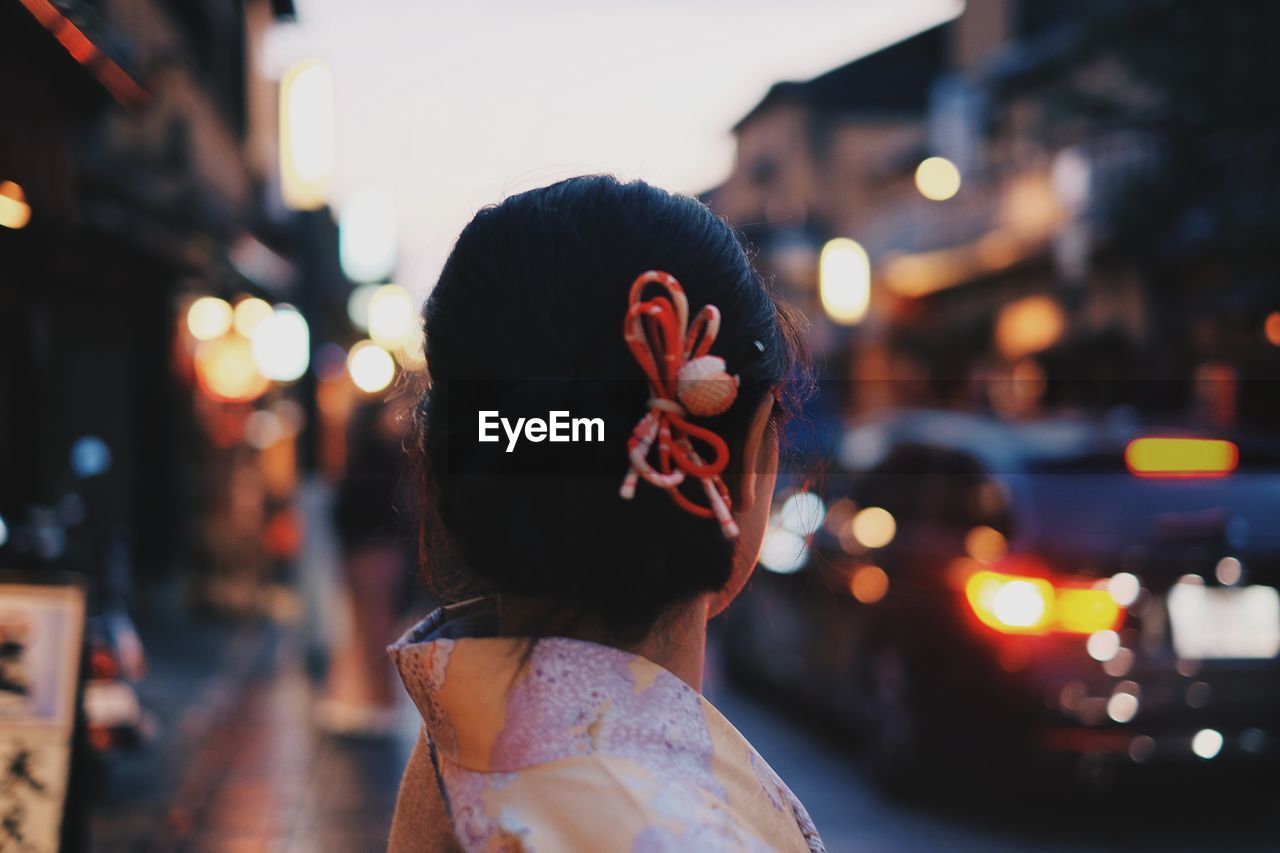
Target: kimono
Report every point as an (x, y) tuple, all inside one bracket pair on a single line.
[(569, 745)]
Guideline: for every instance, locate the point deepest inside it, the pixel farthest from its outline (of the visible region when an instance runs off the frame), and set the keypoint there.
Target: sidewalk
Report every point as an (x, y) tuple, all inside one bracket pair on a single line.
[(237, 765)]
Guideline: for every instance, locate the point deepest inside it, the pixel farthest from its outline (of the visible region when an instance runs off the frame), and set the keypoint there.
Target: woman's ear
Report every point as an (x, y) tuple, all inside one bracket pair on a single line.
[(754, 457), (753, 500)]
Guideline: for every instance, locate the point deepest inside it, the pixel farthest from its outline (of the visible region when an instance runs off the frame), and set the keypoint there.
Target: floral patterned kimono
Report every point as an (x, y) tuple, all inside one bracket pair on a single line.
[(581, 747)]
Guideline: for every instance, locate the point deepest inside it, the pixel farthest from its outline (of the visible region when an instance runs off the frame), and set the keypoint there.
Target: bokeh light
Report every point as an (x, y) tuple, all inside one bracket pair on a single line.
[(869, 584), (249, 313), (1271, 327), (1141, 748), (209, 317), (282, 345), (367, 238), (802, 513), (937, 178), (1028, 326), (90, 457), (1124, 588), (1120, 663), (1122, 706), (985, 544), (1020, 604), (844, 281), (874, 527), (358, 305), (1102, 645), (1085, 611), (391, 316), (15, 213), (226, 371), (783, 552), (1207, 743), (263, 429), (306, 134), (1228, 571), (371, 367)]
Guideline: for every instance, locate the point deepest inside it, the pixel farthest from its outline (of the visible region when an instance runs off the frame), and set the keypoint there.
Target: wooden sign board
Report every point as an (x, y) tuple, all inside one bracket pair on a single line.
[(42, 617)]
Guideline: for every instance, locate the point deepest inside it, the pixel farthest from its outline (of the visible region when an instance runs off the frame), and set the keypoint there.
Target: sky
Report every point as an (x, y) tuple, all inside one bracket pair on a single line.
[(452, 106)]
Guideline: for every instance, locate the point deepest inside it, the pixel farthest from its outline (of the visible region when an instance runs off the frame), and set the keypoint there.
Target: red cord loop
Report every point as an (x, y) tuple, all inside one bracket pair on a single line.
[(664, 344)]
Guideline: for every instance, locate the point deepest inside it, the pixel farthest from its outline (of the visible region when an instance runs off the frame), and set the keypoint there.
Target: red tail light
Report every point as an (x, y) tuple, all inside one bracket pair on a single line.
[(102, 664), (1181, 457), (1023, 604)]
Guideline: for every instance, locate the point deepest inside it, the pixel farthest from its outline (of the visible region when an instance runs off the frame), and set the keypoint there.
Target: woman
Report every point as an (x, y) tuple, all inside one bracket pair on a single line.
[(562, 703), (360, 694)]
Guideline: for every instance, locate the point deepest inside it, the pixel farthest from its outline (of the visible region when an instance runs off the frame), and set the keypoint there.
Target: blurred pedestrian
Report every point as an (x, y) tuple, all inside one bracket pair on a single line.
[(360, 697), (563, 707)]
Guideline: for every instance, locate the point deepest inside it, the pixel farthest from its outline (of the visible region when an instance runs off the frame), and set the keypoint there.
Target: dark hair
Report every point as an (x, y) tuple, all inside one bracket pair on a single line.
[(527, 318)]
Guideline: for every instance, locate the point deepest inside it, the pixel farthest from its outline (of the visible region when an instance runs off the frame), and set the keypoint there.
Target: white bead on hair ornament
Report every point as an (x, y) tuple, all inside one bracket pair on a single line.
[(683, 380)]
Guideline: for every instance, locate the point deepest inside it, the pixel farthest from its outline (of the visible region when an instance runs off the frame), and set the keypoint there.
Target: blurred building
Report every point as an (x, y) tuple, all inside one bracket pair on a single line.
[(1056, 209), (136, 149)]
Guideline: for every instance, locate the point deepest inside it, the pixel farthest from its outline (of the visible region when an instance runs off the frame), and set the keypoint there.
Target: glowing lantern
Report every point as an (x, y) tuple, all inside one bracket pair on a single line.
[(306, 134), (226, 372), (844, 280)]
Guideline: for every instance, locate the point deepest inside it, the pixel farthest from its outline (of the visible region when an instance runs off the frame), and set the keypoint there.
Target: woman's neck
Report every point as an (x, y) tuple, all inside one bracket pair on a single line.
[(677, 642)]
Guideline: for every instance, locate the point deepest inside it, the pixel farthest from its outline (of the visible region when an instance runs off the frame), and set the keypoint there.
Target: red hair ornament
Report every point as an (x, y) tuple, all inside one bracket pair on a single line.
[(683, 380)]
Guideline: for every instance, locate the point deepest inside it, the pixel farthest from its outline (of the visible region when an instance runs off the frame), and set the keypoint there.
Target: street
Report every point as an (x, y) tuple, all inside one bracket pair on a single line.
[(237, 766), (825, 773)]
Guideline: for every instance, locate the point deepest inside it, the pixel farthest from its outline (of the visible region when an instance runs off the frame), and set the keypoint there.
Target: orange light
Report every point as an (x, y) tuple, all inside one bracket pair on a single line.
[(226, 372), (1085, 611), (1011, 604), (985, 544), (1181, 457), (15, 213), (1271, 327), (122, 87), (1014, 604), (869, 584)]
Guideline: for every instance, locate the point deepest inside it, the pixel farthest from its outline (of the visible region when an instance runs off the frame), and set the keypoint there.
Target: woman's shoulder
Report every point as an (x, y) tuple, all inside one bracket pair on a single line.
[(595, 802)]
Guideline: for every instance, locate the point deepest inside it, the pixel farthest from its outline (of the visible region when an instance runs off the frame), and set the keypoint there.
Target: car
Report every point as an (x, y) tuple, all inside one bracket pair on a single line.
[(970, 593)]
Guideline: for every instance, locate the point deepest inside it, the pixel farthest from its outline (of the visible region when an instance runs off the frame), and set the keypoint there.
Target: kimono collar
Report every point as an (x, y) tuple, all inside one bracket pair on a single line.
[(490, 704)]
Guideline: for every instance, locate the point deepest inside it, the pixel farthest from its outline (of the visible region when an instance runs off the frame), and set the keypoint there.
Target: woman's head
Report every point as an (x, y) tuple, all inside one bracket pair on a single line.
[(526, 319)]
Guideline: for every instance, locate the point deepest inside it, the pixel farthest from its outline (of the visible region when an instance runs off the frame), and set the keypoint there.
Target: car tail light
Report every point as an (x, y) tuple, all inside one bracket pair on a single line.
[(102, 664), (1181, 457), (1021, 604)]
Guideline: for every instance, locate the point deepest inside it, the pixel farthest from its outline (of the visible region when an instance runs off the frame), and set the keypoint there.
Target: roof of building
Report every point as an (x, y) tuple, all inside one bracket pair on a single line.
[(894, 80)]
